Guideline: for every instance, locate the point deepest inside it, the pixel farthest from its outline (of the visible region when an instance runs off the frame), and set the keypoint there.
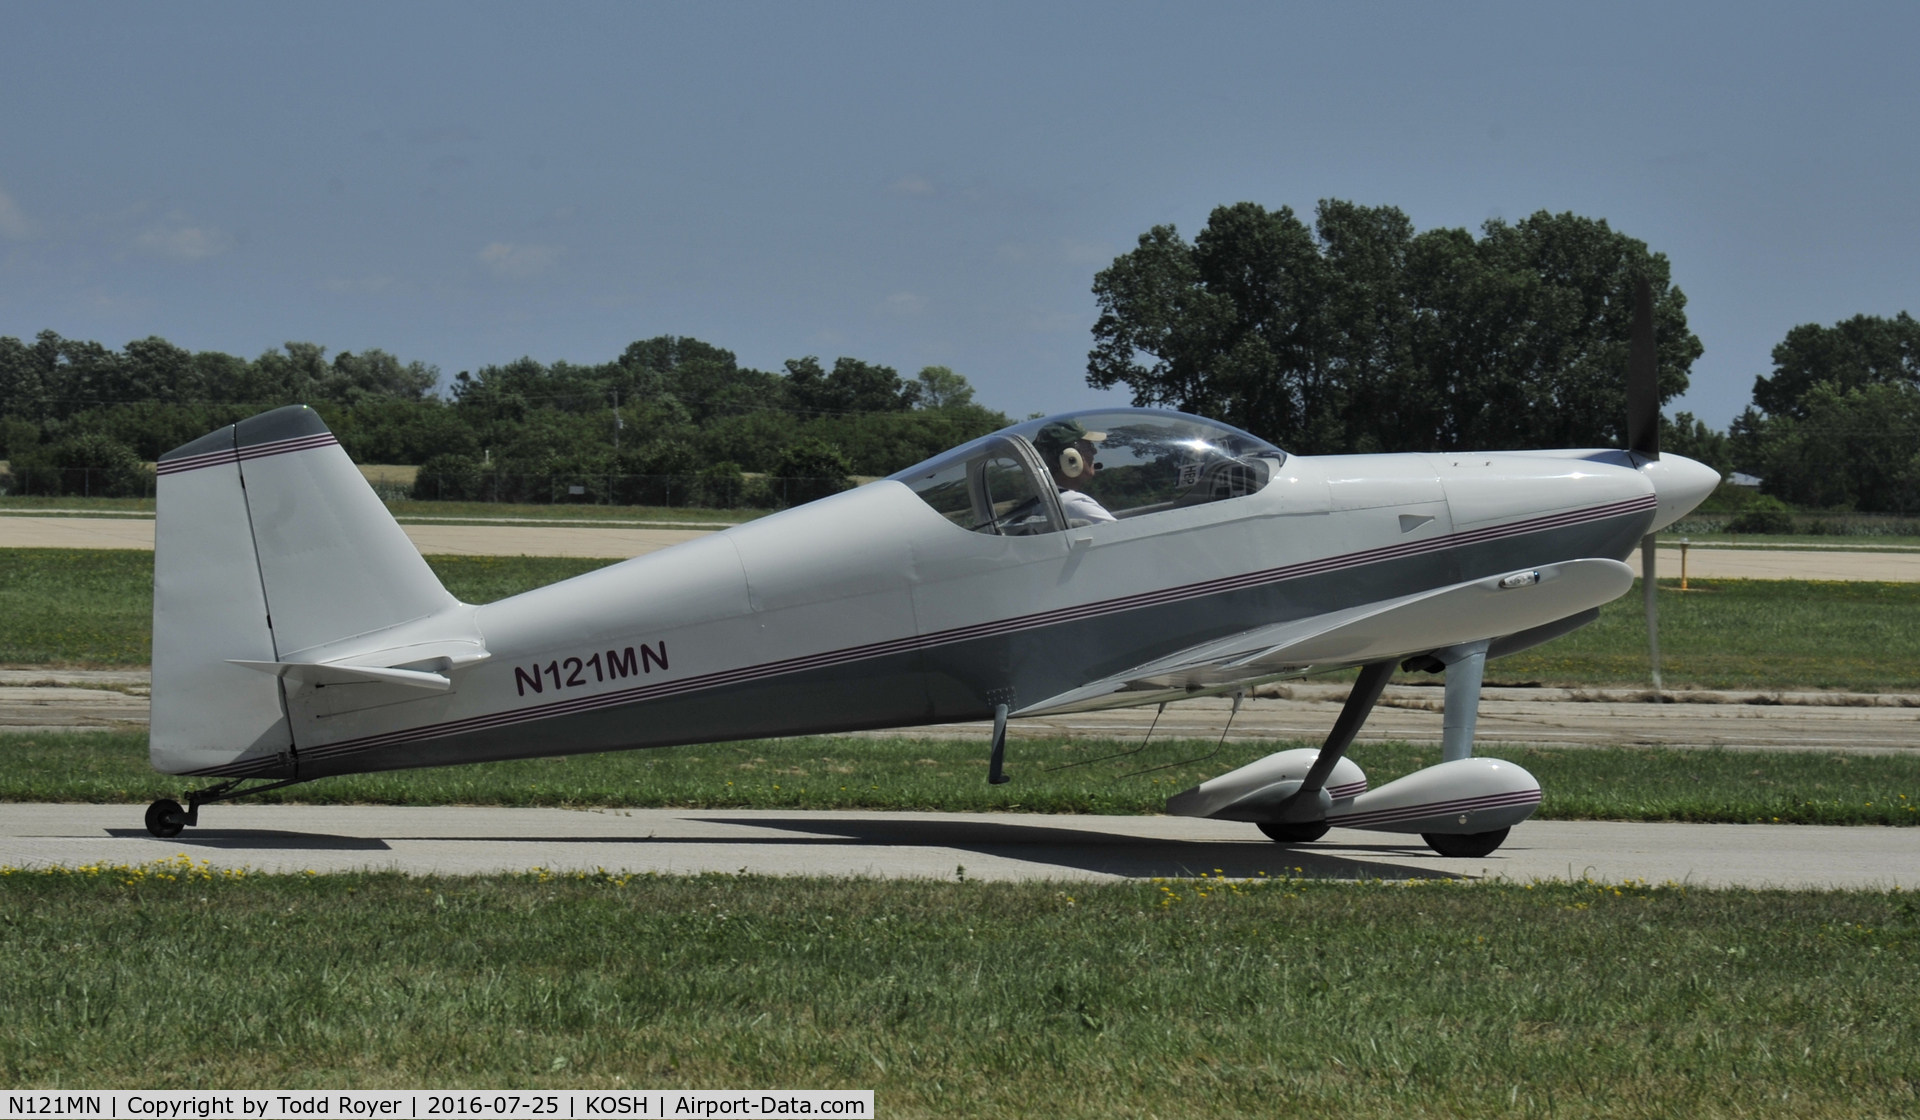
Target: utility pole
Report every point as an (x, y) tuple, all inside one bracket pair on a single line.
[(616, 421)]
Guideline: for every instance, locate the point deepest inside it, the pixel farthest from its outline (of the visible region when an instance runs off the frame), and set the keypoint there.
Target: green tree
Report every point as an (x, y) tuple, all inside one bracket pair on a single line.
[(941, 388), (1359, 335), (87, 464), (702, 380), (1852, 354), (1855, 448), (852, 386), (1688, 435), (808, 470)]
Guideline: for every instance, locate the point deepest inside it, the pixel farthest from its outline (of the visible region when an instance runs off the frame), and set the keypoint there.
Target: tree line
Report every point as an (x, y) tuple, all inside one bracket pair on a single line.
[(673, 409), (1355, 333), (1349, 333)]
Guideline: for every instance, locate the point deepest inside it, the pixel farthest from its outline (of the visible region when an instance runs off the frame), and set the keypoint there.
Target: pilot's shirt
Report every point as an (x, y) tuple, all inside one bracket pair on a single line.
[(1080, 506)]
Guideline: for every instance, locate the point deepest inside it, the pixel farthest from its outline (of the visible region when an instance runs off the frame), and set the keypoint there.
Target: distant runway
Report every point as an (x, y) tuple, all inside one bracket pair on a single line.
[(1001, 846), (432, 540), (624, 543)]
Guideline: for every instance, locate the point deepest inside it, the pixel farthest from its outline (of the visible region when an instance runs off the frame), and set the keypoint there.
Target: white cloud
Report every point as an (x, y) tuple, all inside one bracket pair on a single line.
[(904, 304), (914, 184), (519, 262), (13, 221), (184, 242)]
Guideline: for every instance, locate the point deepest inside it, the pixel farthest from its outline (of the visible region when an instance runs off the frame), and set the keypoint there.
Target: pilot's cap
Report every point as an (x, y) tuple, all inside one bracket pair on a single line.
[(1062, 434)]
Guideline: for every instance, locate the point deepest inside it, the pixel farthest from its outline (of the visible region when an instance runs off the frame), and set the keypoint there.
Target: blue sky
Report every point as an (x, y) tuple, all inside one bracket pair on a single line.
[(908, 184)]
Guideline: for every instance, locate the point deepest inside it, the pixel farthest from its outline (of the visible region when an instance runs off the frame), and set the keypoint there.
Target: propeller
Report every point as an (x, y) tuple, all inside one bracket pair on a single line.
[(1643, 440)]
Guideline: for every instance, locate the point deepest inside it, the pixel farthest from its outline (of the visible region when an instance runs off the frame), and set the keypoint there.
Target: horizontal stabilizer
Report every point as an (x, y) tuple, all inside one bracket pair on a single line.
[(307, 673)]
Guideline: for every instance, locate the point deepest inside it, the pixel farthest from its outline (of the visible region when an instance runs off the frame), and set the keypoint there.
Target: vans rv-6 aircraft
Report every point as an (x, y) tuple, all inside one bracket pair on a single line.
[(298, 633)]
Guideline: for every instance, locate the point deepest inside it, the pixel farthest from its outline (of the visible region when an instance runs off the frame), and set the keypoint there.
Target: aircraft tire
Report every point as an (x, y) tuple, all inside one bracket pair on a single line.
[(1286, 832), (163, 818), (1471, 845)]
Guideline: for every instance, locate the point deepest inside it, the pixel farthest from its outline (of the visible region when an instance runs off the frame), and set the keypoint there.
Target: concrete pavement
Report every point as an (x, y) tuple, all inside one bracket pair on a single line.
[(1003, 846)]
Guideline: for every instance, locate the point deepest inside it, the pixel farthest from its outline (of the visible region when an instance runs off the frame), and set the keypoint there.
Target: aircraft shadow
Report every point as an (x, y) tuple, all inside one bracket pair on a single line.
[(1134, 857), (272, 839), (1107, 853)]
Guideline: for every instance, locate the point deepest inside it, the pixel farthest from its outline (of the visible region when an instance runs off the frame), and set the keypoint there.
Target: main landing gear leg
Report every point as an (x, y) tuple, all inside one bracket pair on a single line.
[(995, 775), (1466, 668), (1306, 811), (165, 817)]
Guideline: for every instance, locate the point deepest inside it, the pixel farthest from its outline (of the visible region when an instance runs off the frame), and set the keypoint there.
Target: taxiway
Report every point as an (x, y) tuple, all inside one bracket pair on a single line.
[(995, 846)]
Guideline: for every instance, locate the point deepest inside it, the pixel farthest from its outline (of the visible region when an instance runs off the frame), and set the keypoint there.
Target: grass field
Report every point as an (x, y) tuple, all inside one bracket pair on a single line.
[(80, 608), (950, 776), (94, 607), (1179, 998), (405, 508)]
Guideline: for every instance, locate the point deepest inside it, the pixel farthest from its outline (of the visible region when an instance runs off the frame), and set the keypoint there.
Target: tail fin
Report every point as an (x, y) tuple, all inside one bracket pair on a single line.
[(268, 545)]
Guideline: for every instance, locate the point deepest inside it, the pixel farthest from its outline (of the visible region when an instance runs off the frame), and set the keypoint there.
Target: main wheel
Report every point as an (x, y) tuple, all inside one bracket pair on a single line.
[(1291, 833), (1470, 845), (164, 818)]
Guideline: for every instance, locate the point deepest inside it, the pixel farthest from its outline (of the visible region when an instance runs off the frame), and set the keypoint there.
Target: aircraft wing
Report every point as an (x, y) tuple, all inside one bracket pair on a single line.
[(1492, 607)]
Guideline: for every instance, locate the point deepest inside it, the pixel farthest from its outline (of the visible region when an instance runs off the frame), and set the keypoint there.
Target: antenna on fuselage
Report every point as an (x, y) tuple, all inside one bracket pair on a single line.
[(1643, 441)]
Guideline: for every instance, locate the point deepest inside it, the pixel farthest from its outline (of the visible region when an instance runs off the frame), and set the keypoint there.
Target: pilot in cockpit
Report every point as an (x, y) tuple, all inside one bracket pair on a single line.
[(1068, 448)]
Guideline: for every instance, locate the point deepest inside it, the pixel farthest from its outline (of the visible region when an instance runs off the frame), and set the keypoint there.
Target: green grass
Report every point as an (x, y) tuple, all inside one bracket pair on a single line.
[(1743, 634), (74, 607), (25, 503), (1179, 998), (1823, 542), (94, 608), (950, 775), (406, 507)]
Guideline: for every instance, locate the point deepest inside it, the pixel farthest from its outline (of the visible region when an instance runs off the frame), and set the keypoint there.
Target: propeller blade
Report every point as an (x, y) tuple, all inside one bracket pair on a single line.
[(1649, 587), (1643, 377)]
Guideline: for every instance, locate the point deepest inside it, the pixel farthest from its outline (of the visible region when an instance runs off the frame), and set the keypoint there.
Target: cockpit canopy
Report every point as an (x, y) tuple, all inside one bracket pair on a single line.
[(1149, 460)]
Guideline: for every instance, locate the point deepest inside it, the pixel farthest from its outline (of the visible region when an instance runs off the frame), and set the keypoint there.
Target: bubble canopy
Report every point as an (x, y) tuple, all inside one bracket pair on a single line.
[(1146, 461)]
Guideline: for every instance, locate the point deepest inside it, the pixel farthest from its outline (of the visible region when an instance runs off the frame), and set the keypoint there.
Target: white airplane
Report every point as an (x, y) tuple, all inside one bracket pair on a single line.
[(298, 633)]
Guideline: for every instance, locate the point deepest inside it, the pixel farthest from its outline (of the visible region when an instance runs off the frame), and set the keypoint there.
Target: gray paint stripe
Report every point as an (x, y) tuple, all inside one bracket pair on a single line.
[(752, 673), (1437, 808)]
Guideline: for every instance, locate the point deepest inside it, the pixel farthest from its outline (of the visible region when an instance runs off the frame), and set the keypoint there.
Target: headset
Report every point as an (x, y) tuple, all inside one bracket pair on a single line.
[(1072, 463)]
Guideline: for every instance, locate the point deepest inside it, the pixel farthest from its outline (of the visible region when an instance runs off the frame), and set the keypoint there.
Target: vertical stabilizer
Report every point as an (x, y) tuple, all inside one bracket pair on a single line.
[(334, 562), (209, 606), (269, 546)]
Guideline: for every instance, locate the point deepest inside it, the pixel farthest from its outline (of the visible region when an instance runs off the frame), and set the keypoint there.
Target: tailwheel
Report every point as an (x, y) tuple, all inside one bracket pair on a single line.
[(1286, 832), (1470, 845), (166, 818)]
